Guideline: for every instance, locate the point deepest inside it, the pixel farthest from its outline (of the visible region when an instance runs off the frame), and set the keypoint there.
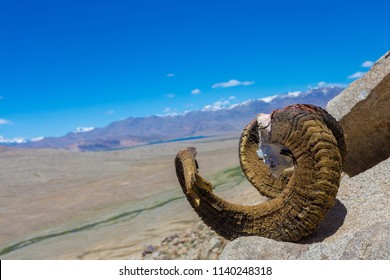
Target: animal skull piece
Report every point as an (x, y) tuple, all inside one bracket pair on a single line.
[(277, 157)]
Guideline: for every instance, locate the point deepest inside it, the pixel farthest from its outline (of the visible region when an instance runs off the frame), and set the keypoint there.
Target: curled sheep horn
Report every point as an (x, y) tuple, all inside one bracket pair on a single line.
[(306, 138)]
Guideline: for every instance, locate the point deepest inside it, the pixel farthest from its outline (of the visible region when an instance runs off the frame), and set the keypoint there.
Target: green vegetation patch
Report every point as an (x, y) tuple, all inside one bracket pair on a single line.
[(228, 178)]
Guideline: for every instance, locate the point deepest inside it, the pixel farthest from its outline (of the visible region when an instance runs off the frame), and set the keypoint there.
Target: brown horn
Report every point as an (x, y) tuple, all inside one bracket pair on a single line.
[(299, 203)]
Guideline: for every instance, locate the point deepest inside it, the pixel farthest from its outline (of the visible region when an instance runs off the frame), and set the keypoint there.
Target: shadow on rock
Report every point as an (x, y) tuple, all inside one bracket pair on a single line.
[(329, 226)]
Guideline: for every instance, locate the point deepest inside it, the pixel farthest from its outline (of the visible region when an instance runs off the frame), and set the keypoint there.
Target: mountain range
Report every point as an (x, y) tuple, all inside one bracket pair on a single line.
[(212, 120)]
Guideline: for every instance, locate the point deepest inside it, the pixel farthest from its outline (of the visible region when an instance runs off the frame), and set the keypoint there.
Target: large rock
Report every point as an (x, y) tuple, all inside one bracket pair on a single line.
[(371, 243), (357, 227), (363, 111)]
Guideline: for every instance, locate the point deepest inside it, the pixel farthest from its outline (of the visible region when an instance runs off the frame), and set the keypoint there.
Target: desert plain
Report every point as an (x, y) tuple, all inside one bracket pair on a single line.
[(58, 204)]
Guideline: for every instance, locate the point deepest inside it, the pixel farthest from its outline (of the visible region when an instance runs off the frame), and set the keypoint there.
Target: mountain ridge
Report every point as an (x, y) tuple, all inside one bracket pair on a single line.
[(211, 120)]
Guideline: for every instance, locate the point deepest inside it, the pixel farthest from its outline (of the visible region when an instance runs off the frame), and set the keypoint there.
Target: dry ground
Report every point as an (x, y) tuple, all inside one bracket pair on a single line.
[(102, 205)]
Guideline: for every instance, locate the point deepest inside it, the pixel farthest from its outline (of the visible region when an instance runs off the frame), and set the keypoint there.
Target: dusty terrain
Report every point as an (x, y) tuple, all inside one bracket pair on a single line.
[(57, 204)]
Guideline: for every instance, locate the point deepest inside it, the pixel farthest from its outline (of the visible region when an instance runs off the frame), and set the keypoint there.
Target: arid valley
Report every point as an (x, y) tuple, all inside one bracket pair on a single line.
[(57, 204)]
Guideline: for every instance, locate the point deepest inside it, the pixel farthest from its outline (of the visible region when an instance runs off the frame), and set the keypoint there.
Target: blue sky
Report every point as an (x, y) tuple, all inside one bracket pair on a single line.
[(69, 64)]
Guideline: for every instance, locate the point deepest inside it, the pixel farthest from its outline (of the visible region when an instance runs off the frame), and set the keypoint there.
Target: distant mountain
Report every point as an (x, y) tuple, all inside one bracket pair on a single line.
[(212, 120)]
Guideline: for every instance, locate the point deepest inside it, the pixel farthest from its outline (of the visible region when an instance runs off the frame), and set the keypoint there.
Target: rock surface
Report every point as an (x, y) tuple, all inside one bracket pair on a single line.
[(363, 111), (357, 227), (198, 243)]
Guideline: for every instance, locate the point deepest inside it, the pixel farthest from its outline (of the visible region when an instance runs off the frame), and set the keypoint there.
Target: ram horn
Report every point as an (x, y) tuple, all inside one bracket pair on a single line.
[(300, 198), (257, 172)]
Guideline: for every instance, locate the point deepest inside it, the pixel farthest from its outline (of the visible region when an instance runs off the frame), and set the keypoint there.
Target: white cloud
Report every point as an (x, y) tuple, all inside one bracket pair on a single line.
[(195, 91), (36, 139), (221, 103), (17, 140), (232, 83), (231, 97), (326, 84), (109, 112), (169, 112), (367, 64), (170, 95), (218, 105), (356, 75), (321, 84), (170, 75), (268, 98), (3, 121), (83, 129)]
